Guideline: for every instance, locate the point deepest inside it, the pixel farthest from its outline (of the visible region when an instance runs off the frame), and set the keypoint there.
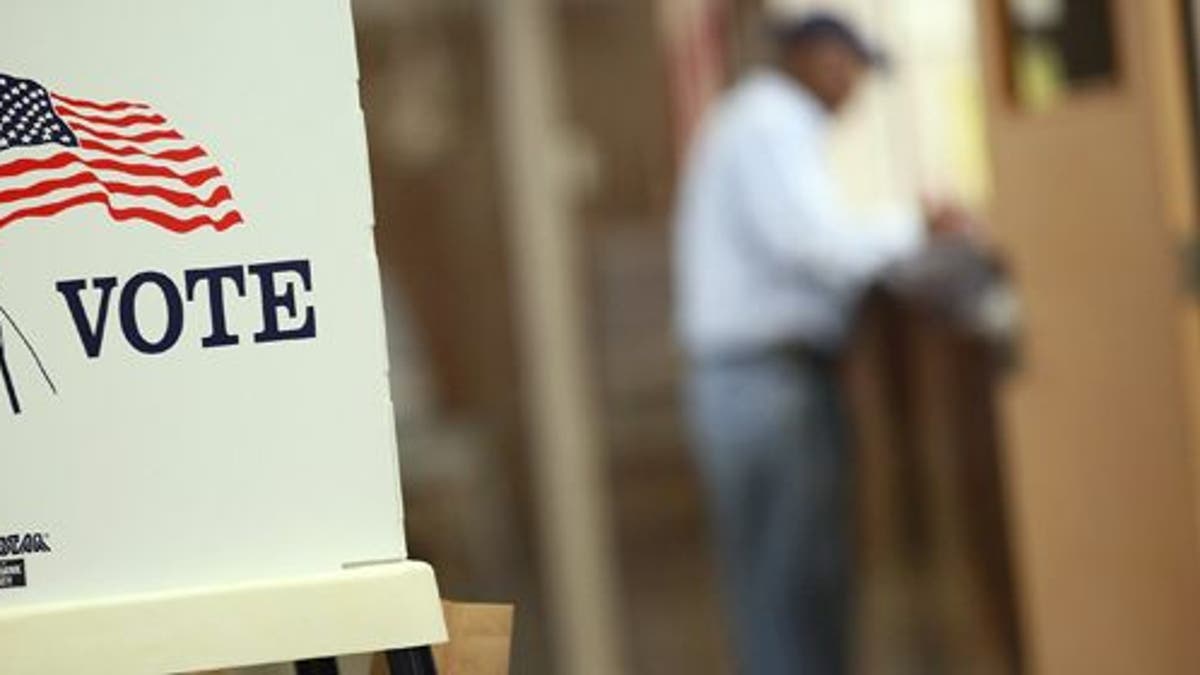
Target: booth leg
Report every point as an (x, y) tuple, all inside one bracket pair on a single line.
[(326, 666), (417, 661)]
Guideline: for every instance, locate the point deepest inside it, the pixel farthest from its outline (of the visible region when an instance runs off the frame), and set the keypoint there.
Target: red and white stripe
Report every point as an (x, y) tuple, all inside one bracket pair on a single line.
[(130, 161)]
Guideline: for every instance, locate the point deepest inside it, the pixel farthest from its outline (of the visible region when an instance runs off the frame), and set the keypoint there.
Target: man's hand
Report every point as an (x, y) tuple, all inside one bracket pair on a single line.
[(946, 218)]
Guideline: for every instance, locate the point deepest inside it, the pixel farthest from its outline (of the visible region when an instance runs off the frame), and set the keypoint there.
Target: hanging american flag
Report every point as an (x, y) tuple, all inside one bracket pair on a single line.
[(59, 153)]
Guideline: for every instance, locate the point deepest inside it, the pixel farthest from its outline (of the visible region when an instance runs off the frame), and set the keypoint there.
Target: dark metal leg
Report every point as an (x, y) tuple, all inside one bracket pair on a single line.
[(418, 661), (326, 666)]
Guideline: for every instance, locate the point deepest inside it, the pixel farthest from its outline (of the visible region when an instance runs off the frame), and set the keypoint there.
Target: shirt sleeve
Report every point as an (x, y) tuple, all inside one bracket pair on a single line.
[(795, 211)]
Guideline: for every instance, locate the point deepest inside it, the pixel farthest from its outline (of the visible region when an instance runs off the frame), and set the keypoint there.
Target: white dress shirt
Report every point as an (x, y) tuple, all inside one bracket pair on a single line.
[(767, 254)]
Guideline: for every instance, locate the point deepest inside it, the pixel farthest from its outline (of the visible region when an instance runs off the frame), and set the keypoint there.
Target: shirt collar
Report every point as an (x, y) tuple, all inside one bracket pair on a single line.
[(796, 94)]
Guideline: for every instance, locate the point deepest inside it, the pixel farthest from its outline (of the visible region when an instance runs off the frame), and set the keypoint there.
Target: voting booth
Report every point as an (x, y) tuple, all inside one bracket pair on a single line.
[(197, 448)]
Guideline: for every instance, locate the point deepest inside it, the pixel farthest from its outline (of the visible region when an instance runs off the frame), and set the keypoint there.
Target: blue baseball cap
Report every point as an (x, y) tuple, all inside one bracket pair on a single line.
[(826, 26)]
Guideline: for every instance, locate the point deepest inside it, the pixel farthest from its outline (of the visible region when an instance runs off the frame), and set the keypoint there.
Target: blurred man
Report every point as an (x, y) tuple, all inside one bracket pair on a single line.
[(770, 267)]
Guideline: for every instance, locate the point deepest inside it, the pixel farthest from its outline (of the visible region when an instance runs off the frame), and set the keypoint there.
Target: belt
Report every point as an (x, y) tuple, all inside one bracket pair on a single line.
[(796, 352)]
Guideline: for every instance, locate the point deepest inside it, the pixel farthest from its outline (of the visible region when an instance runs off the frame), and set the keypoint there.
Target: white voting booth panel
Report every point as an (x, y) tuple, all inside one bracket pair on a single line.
[(196, 434)]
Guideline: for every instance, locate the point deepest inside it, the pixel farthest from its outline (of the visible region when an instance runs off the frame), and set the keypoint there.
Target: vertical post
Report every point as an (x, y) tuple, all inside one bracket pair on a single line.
[(574, 519)]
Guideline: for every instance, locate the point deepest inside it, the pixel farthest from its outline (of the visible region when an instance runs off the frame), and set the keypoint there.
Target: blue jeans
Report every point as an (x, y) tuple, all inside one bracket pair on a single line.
[(769, 434)]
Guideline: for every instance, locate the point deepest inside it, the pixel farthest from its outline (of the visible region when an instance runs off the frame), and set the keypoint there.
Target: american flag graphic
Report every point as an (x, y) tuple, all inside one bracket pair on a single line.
[(59, 153)]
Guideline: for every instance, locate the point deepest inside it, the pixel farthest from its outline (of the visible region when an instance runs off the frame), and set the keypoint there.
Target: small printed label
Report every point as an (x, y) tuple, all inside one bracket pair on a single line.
[(27, 544), (12, 574)]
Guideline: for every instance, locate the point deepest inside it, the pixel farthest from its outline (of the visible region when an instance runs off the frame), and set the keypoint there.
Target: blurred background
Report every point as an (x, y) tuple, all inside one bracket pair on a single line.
[(525, 156)]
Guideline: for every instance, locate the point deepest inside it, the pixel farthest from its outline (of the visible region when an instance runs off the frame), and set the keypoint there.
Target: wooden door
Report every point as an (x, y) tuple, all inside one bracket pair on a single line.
[(1094, 192)]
